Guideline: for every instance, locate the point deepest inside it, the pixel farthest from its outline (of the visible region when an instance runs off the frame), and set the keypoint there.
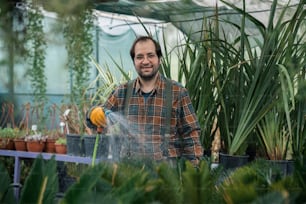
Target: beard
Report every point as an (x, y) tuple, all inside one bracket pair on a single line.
[(146, 76)]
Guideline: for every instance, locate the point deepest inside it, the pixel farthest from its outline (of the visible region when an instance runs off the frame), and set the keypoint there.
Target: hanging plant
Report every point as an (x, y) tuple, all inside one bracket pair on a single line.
[(35, 57), (78, 35)]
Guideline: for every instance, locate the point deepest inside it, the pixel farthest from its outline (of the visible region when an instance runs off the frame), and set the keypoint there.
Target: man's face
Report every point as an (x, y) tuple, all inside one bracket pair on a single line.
[(146, 61)]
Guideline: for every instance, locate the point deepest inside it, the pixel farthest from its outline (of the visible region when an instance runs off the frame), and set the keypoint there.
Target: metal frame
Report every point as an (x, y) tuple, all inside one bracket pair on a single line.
[(18, 155)]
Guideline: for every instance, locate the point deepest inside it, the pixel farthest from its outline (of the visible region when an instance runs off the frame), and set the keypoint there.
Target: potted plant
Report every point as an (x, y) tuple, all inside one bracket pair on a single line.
[(35, 141), (275, 140), (6, 138), (61, 145), (74, 129), (241, 76), (51, 137), (52, 133), (248, 83), (19, 140)]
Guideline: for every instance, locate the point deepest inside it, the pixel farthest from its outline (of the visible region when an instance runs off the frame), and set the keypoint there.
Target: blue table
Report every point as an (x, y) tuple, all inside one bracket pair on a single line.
[(22, 154)]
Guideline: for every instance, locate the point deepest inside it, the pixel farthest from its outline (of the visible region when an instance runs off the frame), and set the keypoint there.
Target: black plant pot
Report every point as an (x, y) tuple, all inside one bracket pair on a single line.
[(284, 167), (75, 145), (232, 161), (103, 146)]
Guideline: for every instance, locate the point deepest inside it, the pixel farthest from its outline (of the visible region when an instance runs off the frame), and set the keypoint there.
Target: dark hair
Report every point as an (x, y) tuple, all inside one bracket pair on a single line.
[(145, 38)]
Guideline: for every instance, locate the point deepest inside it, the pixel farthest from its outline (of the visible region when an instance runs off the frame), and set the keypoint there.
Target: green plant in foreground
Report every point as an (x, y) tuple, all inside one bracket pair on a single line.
[(6, 190), (41, 185), (143, 181)]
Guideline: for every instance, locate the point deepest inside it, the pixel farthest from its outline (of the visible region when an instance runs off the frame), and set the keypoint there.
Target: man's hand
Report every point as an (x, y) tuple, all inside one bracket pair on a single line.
[(97, 117)]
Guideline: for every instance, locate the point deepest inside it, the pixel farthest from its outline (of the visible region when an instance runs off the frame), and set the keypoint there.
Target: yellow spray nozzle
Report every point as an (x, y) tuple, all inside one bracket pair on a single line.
[(97, 117)]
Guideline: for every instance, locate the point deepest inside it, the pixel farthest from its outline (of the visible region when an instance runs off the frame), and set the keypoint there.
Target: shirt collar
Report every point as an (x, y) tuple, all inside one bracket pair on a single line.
[(157, 84)]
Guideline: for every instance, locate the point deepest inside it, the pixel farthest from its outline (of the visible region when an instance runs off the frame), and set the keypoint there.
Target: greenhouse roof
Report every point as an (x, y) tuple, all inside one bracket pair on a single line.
[(188, 15)]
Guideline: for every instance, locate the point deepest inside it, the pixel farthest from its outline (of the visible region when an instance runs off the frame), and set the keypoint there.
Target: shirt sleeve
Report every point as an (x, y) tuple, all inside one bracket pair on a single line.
[(189, 129)]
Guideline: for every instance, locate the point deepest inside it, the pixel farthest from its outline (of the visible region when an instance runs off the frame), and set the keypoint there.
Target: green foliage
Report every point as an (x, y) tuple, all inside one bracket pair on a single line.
[(274, 135), (79, 191), (300, 178), (104, 83), (113, 183), (78, 35), (13, 46), (258, 182), (35, 57), (61, 140), (240, 79), (36, 53), (258, 79), (243, 186), (170, 190), (41, 185), (6, 189), (142, 181), (8, 132), (199, 185)]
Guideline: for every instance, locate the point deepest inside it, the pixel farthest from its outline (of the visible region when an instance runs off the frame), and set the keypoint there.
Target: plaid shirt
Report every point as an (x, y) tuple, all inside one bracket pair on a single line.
[(145, 126)]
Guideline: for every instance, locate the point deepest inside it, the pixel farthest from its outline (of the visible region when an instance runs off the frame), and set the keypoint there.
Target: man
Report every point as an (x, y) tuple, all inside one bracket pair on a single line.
[(161, 123)]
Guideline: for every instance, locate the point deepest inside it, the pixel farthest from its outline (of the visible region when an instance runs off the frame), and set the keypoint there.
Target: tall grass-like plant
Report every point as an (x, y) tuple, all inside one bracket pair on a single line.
[(253, 84), (244, 77)]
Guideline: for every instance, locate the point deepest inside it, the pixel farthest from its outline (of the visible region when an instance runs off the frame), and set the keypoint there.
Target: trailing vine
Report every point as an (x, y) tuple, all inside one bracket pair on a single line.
[(35, 57), (78, 35)]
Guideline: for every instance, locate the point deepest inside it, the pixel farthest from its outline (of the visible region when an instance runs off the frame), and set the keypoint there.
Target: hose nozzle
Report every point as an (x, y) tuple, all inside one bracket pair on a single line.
[(97, 117)]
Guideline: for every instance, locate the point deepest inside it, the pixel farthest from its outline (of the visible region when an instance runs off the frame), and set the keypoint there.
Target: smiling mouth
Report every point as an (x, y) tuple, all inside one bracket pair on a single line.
[(146, 68)]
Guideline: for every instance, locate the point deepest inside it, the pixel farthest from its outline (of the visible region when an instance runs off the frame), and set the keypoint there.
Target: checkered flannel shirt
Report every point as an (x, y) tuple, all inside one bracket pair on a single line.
[(145, 124)]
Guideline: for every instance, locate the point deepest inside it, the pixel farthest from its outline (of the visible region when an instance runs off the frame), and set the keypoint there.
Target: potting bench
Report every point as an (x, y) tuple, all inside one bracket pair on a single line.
[(18, 155)]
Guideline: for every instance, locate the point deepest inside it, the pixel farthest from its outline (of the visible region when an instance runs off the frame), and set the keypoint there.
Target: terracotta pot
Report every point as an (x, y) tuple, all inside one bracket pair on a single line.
[(35, 146), (20, 145), (60, 148), (6, 143), (50, 147)]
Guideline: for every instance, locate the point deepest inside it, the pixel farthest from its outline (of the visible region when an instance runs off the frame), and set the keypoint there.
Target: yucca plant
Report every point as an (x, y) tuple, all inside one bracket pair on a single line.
[(241, 79), (249, 82)]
